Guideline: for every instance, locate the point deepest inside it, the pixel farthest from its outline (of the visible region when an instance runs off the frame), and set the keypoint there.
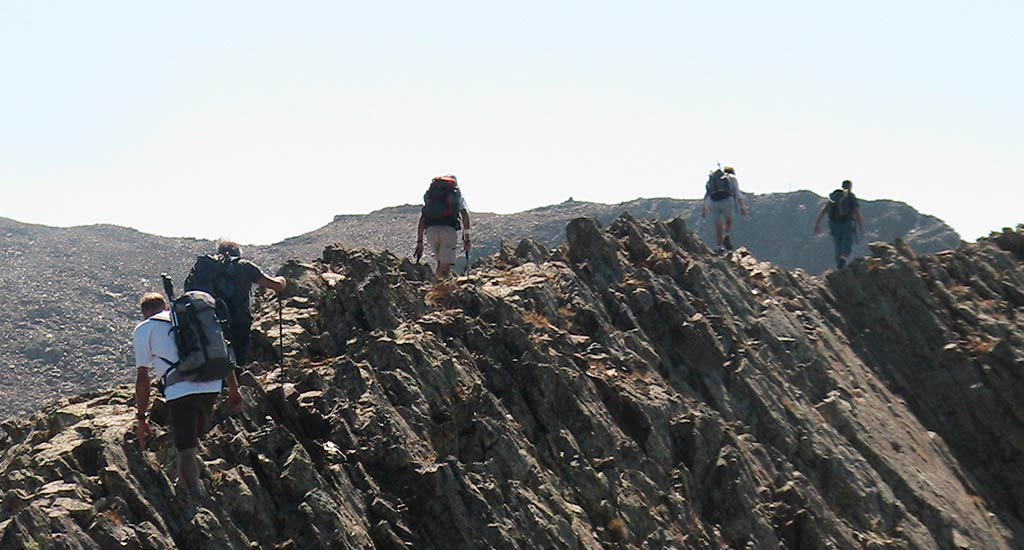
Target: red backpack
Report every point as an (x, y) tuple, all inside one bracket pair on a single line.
[(442, 199)]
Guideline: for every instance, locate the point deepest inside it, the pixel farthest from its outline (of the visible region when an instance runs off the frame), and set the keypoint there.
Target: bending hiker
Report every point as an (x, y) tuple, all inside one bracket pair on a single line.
[(190, 403), (844, 221), (722, 195), (444, 213), (229, 278)]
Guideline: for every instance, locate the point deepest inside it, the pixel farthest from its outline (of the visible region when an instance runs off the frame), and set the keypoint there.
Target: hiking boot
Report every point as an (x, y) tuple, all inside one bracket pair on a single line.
[(727, 241), (841, 263), (720, 250)]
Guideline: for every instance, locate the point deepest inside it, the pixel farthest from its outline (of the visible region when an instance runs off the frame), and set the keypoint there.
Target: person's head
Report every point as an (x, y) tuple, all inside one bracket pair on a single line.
[(729, 170), (229, 248), (152, 303), (847, 184)]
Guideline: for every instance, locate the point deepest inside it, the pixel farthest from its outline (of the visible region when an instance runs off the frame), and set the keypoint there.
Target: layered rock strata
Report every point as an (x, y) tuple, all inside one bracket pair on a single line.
[(626, 390)]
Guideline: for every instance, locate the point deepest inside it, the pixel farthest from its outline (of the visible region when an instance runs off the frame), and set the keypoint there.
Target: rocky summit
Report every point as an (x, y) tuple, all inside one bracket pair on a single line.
[(627, 389)]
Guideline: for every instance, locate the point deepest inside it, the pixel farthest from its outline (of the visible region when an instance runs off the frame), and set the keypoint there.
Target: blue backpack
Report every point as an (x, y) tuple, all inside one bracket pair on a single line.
[(217, 275), (841, 205)]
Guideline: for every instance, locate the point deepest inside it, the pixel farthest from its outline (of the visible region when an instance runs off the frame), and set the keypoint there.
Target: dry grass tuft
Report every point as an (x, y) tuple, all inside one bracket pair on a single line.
[(981, 346), (440, 292), (536, 319), (617, 530)]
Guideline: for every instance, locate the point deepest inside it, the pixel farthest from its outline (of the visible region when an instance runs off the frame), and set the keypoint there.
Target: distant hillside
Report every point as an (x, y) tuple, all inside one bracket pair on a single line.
[(70, 293), (778, 229)]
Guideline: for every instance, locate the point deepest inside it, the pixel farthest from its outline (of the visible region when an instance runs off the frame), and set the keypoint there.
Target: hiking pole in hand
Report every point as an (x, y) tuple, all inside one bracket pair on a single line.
[(280, 332)]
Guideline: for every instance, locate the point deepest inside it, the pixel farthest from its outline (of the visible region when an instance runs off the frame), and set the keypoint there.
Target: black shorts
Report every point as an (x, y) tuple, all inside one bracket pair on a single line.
[(190, 418), (240, 335)]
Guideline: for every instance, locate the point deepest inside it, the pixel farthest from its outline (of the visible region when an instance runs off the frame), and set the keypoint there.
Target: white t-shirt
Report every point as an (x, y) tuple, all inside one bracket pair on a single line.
[(155, 350)]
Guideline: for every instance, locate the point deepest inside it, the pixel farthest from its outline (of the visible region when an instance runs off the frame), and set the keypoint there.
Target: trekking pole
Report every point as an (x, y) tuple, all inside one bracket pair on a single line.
[(168, 286), (280, 332)]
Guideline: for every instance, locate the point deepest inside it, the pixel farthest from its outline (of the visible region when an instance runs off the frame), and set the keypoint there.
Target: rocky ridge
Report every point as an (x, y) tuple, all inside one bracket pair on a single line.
[(626, 390), (72, 292)]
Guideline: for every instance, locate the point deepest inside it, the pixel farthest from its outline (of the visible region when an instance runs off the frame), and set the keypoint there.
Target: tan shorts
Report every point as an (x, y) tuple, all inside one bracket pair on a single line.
[(442, 240), (721, 210)]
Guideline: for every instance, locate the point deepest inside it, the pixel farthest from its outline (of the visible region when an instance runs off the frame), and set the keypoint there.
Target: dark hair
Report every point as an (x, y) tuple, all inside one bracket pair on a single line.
[(152, 302), (847, 184), (231, 248)]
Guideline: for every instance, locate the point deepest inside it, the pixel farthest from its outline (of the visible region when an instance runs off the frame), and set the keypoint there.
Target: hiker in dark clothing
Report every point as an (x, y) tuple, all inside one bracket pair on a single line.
[(444, 213), (844, 221), (229, 278)]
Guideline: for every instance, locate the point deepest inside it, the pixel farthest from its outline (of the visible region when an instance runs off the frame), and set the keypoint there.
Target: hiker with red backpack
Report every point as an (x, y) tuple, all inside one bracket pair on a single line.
[(844, 221), (444, 212), (722, 196)]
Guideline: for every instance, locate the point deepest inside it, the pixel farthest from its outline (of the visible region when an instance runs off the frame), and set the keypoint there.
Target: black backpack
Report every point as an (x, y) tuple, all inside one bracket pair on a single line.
[(198, 322), (840, 205), (441, 202), (718, 186), (217, 275)]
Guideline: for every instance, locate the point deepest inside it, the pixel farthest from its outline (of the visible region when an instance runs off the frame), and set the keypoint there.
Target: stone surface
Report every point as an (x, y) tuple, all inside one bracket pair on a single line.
[(628, 390)]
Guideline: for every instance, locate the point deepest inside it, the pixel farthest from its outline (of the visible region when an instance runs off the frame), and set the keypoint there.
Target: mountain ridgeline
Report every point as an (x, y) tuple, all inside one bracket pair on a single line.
[(71, 293), (627, 389)]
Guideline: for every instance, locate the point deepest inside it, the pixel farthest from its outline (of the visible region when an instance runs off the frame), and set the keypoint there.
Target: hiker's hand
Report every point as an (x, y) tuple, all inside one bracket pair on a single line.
[(235, 401), (704, 212), (466, 244), (143, 430), (817, 230), (743, 210), (419, 250)]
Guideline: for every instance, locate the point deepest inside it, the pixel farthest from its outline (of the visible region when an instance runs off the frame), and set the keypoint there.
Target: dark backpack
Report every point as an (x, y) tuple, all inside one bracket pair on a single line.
[(840, 205), (441, 202), (718, 186), (198, 322), (217, 275)]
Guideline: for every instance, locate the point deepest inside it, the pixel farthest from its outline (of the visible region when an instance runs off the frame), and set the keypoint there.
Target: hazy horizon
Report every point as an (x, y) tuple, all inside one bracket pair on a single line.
[(409, 205)]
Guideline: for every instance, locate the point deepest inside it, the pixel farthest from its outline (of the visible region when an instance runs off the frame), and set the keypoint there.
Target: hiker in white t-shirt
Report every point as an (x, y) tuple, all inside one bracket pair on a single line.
[(190, 403)]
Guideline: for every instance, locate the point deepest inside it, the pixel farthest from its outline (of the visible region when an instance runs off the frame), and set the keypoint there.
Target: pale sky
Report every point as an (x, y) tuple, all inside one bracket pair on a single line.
[(262, 120)]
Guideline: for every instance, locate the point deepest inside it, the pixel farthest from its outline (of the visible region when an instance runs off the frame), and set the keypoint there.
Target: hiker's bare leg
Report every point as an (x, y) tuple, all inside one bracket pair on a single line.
[(718, 232), (443, 269), (728, 226), (188, 471)]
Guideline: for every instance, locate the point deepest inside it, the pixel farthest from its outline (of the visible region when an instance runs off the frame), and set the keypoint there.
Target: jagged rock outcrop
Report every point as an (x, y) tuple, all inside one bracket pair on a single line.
[(626, 390), (72, 292)]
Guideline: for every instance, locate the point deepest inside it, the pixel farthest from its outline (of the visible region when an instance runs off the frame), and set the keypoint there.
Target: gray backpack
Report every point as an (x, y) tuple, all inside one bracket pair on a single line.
[(198, 324)]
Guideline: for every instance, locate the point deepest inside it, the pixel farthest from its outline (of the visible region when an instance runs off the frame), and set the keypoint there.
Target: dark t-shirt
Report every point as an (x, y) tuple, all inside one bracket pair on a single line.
[(842, 206), (245, 275)]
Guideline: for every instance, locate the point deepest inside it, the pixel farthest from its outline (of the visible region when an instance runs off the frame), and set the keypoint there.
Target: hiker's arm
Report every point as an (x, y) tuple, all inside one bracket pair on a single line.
[(817, 222), (466, 242), (234, 394), (860, 220), (738, 195), (419, 238), (142, 386), (277, 284)]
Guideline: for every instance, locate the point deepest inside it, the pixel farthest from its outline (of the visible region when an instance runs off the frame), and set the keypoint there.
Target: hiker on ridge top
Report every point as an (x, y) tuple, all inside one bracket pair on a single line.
[(844, 221), (721, 196), (444, 213), (229, 278), (190, 403)]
